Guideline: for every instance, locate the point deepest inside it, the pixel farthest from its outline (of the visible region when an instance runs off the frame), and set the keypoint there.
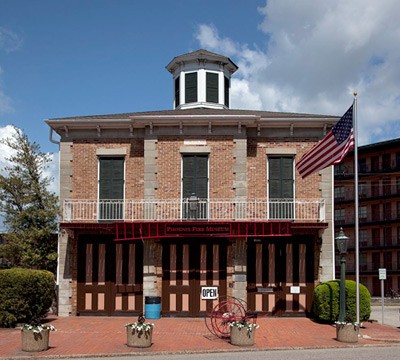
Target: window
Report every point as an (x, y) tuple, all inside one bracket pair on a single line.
[(386, 162), (387, 183), (387, 256), (177, 92), (362, 189), (398, 184), (340, 214), (190, 87), (375, 163), (376, 237), (280, 187), (340, 169), (227, 86), (362, 166), (376, 216), (362, 213), (212, 87), (363, 237), (388, 236), (376, 261), (375, 188), (339, 192), (387, 210), (111, 188), (398, 160), (363, 262), (195, 184)]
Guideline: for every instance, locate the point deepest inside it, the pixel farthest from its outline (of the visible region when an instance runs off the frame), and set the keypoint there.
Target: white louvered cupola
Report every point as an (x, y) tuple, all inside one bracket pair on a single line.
[(201, 80)]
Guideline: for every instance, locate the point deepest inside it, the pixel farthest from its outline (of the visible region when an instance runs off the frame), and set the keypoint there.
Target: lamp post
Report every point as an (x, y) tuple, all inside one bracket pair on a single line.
[(193, 201), (341, 243)]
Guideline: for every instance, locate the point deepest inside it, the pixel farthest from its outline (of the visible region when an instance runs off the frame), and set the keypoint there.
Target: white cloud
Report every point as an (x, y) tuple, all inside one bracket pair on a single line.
[(5, 152), (9, 40), (317, 54)]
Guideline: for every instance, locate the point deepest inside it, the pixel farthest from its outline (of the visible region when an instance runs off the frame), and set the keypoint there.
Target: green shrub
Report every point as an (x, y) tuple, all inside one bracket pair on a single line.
[(25, 295), (326, 302)]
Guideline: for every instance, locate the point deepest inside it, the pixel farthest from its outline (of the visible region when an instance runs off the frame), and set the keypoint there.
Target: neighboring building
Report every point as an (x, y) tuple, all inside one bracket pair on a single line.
[(379, 213), (164, 203)]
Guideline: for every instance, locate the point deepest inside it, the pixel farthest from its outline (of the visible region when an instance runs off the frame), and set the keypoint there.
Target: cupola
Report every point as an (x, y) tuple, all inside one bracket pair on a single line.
[(201, 80)]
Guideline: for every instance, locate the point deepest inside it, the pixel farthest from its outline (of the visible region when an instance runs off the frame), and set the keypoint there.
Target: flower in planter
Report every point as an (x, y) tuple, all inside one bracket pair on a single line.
[(243, 324), (38, 328), (140, 325)]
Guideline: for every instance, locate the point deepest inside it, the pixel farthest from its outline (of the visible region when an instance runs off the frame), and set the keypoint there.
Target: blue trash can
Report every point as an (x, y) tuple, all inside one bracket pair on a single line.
[(152, 307)]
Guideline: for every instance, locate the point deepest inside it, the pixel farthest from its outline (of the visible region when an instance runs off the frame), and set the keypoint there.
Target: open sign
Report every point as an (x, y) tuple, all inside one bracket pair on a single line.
[(209, 292)]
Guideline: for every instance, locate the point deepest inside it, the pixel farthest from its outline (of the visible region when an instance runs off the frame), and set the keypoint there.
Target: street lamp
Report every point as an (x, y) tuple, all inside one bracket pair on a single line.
[(193, 201), (341, 243)]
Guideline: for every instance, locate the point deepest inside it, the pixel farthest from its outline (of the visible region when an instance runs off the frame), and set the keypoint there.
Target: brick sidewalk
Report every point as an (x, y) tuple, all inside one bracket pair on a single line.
[(104, 336)]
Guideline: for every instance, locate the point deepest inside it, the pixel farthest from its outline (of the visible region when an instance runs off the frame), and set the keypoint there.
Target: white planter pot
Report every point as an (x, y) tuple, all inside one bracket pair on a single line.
[(242, 337), (347, 333), (33, 342), (139, 339)]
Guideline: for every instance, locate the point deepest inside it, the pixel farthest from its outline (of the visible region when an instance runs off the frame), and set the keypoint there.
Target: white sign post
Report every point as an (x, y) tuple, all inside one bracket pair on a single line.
[(382, 278)]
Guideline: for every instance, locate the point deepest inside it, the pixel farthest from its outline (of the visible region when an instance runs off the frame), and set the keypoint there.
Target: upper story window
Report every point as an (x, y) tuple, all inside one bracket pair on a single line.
[(280, 177), (211, 87), (227, 86), (375, 212), (375, 188), (177, 91), (195, 176), (339, 192), (111, 187), (362, 165), (340, 214), (363, 237), (341, 169), (362, 189), (386, 161), (375, 163), (280, 187), (398, 160), (191, 87), (362, 212), (195, 186)]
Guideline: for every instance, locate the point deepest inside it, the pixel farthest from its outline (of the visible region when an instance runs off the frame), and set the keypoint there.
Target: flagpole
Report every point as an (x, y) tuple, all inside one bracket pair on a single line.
[(356, 218)]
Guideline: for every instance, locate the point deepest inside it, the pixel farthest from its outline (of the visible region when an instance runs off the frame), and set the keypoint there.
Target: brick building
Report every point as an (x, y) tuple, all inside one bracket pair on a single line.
[(165, 203), (379, 212)]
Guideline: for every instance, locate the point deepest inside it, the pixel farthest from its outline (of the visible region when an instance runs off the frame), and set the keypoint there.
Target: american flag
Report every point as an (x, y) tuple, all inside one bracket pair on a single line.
[(332, 149)]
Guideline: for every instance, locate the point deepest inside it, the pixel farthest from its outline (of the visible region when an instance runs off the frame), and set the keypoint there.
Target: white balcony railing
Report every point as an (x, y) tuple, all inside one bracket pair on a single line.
[(172, 210)]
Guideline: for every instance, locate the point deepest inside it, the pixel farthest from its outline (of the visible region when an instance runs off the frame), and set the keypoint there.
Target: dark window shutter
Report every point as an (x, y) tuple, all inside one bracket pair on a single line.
[(280, 177), (212, 87), (226, 89), (111, 178), (190, 87), (195, 176), (177, 92)]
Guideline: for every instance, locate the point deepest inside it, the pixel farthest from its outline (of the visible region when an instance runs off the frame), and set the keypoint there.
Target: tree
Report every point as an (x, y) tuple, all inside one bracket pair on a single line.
[(29, 209)]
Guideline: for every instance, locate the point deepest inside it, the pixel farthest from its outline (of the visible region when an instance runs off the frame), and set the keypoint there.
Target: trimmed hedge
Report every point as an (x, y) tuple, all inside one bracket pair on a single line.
[(25, 295), (326, 302)]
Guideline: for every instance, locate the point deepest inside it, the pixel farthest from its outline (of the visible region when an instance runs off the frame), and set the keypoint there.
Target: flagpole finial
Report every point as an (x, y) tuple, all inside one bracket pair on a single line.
[(355, 93)]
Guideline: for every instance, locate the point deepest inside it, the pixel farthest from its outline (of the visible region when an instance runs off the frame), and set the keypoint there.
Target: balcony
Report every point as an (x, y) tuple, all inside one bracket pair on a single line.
[(309, 210)]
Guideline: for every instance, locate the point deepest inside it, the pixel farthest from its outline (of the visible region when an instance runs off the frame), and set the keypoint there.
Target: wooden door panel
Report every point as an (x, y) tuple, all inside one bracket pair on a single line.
[(110, 276), (280, 276), (189, 264)]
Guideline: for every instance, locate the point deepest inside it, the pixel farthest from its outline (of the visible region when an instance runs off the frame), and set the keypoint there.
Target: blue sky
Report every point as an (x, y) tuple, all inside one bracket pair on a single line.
[(86, 57)]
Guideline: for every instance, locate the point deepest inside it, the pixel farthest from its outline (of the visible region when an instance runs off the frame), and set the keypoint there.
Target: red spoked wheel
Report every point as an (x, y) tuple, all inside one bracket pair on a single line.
[(227, 310)]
